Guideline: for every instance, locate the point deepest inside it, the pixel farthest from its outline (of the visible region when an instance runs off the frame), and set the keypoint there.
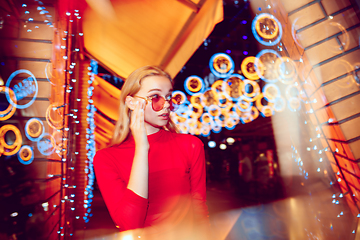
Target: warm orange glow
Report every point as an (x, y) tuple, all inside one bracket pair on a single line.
[(248, 68), (7, 149)]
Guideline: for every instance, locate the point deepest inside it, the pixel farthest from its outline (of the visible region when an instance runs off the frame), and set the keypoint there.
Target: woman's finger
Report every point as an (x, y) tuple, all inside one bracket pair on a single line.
[(137, 117), (137, 124)]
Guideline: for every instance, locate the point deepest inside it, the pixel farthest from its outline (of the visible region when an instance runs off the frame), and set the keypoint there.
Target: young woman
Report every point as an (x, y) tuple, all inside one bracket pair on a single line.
[(153, 178)]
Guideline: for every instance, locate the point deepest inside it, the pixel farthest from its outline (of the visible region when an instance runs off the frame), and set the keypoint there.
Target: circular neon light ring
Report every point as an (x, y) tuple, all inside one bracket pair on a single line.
[(7, 92), (266, 17), (248, 68), (10, 110), (274, 37), (194, 84), (26, 155), (243, 105), (52, 123), (206, 118), (205, 130), (250, 96), (195, 110), (268, 66), (216, 127), (15, 147), (349, 80), (287, 70), (180, 94), (222, 117), (183, 110), (55, 135), (223, 101), (195, 99), (184, 128), (221, 65), (217, 87), (209, 98), (45, 146), (267, 111), (250, 116), (34, 129), (292, 91), (264, 108), (214, 110), (232, 87), (233, 115), (271, 92), (230, 123)]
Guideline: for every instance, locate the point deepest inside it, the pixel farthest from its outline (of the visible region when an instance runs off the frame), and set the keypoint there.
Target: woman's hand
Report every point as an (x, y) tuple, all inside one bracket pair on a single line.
[(137, 125)]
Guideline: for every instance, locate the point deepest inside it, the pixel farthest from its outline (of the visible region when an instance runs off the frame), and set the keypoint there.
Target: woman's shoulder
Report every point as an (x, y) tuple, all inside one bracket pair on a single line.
[(108, 153), (104, 152)]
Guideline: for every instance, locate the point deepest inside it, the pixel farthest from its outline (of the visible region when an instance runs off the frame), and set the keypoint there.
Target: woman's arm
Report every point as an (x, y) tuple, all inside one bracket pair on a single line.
[(139, 176), (127, 203), (127, 209)]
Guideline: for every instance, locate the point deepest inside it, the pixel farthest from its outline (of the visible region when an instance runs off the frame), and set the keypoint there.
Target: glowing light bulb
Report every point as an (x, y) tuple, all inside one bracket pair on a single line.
[(222, 146), (14, 214), (230, 140)]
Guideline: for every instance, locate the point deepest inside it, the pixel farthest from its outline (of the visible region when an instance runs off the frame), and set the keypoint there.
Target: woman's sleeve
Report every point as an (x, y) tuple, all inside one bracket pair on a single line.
[(127, 209), (198, 180)]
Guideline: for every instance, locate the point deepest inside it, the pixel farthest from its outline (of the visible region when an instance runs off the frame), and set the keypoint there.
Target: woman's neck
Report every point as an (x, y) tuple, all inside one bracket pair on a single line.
[(151, 130)]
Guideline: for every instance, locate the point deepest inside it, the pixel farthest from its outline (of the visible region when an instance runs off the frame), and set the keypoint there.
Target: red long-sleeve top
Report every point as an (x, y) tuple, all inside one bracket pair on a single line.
[(177, 182)]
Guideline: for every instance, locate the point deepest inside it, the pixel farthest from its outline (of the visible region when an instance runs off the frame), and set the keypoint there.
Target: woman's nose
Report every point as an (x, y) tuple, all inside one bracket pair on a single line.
[(167, 103)]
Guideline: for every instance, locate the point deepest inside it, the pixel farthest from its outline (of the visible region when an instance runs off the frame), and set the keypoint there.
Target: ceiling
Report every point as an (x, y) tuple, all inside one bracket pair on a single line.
[(124, 35)]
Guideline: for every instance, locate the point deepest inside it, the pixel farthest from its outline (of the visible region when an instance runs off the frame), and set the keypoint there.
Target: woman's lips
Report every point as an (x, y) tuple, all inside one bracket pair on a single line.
[(164, 116)]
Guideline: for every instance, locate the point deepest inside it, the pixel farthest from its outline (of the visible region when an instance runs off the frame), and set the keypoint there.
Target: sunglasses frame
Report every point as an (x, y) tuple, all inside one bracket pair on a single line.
[(149, 99)]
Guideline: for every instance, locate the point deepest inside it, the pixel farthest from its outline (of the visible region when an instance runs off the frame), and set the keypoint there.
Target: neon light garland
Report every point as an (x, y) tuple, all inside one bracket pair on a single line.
[(90, 144)]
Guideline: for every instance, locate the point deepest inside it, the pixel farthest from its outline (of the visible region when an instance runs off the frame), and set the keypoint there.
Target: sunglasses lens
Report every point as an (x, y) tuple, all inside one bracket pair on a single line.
[(175, 102), (158, 103)]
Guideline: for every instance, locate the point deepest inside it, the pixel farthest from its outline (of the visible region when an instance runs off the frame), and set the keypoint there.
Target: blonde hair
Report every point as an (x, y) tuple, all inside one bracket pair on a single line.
[(131, 86)]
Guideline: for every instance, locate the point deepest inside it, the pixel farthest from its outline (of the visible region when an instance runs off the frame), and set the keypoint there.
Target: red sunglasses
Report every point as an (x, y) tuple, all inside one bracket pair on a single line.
[(158, 102)]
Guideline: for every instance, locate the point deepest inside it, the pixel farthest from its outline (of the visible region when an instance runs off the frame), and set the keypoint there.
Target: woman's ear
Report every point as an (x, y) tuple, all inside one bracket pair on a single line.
[(130, 102)]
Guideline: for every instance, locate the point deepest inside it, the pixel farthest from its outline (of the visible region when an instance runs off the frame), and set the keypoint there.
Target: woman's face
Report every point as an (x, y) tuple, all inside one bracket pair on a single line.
[(151, 86)]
